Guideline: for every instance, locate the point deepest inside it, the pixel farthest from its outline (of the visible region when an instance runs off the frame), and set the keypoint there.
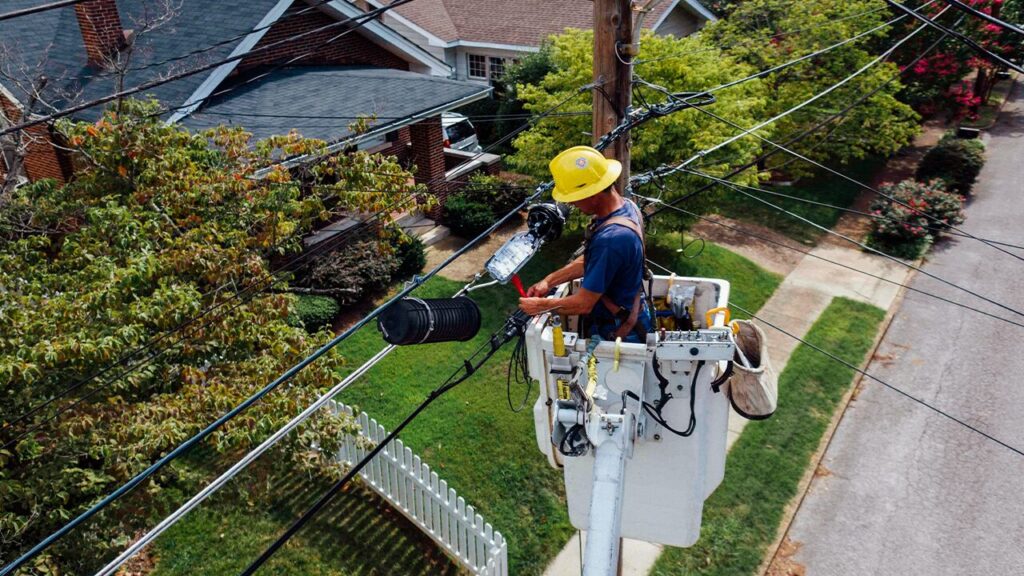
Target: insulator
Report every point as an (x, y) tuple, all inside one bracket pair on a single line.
[(428, 320)]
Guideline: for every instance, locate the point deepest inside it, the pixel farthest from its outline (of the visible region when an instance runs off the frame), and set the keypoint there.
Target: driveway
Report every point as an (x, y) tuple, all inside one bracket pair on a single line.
[(905, 491)]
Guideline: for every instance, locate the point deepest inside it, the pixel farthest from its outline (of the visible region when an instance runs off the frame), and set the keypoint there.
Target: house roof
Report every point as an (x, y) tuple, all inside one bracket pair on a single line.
[(515, 22), (321, 101), (51, 42)]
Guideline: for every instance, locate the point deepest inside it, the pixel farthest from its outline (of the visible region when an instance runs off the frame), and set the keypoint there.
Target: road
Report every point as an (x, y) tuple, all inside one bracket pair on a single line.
[(906, 491)]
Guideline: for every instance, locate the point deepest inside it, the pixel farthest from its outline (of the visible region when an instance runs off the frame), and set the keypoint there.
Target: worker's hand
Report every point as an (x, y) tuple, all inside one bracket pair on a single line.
[(538, 290), (534, 306)]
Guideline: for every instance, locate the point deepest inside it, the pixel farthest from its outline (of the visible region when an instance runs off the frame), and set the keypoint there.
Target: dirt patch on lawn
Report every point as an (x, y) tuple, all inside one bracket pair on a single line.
[(465, 267)]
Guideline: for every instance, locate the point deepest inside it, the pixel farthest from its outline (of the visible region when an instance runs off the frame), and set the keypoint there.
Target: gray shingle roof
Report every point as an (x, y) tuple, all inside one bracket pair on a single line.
[(331, 96), (51, 41)]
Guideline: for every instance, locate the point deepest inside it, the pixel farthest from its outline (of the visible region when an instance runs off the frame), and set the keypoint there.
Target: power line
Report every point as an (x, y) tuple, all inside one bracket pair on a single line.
[(285, 377), (983, 15), (762, 38), (811, 254), (817, 96), (985, 52), (862, 372), (651, 175), (513, 326), (36, 9), (361, 20), (862, 245)]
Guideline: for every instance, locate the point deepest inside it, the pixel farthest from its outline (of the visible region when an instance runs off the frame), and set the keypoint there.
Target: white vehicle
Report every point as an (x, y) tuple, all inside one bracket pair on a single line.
[(459, 133)]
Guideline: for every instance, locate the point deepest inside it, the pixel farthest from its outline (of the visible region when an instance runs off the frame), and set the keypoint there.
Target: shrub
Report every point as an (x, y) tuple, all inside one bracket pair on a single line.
[(465, 217), (314, 312), (907, 231), (353, 271), (502, 196), (411, 256), (956, 161)]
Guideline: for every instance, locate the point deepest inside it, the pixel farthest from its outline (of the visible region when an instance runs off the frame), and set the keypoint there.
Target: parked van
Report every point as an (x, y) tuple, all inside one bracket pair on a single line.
[(459, 133)]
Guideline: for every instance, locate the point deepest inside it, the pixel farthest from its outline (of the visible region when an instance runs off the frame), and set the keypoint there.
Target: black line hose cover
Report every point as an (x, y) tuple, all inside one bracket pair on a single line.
[(429, 320)]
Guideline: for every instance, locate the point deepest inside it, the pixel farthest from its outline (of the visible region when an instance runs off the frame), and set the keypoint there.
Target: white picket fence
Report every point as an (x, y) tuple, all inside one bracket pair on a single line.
[(408, 484)]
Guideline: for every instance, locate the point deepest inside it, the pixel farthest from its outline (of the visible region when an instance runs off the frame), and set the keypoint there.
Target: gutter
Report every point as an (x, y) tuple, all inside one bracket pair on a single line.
[(379, 130)]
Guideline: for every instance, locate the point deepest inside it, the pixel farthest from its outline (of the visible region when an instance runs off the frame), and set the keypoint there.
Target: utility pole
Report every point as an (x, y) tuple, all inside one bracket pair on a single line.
[(613, 75)]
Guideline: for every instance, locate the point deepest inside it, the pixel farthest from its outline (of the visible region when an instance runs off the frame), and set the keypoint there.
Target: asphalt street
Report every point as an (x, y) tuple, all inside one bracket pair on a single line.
[(905, 490)]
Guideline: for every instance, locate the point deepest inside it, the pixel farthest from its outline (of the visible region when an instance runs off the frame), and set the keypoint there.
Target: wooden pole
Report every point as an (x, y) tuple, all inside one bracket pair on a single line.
[(613, 75)]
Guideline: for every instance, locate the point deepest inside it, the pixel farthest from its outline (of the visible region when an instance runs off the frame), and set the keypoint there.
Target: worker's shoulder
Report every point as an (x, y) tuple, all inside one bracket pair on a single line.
[(616, 236)]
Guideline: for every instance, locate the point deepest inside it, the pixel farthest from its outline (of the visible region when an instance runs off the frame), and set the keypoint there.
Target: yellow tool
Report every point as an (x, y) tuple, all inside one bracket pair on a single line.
[(618, 351), (558, 339), (563, 389), (713, 311)]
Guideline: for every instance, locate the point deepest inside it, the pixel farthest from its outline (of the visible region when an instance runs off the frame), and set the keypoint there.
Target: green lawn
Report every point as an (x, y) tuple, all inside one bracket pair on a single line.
[(469, 437), (826, 188), (766, 464)]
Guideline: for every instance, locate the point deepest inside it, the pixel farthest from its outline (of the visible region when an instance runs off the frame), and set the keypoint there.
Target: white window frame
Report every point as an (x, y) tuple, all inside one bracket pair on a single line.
[(485, 64)]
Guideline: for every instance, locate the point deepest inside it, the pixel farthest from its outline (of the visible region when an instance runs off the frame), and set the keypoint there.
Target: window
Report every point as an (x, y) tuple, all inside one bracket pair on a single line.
[(497, 68), (477, 66)]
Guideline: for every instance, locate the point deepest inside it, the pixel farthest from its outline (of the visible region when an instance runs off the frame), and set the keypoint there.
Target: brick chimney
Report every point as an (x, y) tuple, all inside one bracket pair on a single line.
[(101, 29)]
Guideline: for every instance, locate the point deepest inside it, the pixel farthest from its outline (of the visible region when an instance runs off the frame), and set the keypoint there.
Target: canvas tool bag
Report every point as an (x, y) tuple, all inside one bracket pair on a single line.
[(753, 387)]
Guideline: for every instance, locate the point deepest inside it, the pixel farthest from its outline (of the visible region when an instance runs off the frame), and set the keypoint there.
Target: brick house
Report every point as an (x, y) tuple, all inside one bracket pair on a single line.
[(373, 70), (478, 38)]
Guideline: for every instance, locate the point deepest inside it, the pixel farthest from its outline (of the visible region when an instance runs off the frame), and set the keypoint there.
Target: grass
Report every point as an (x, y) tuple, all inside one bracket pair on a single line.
[(826, 188), (766, 464), (353, 535), (470, 437)]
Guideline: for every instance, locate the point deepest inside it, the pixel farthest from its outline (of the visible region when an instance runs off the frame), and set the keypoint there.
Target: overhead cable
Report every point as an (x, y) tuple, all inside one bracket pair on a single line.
[(981, 50), (984, 16), (359, 21), (40, 8), (864, 373), (810, 253), (513, 327), (861, 245)]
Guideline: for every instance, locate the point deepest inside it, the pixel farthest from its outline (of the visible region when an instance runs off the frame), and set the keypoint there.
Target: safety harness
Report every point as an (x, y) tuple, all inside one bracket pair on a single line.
[(626, 317)]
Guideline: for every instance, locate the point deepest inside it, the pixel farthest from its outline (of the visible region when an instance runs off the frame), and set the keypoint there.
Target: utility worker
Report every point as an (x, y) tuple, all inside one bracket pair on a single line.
[(613, 261)]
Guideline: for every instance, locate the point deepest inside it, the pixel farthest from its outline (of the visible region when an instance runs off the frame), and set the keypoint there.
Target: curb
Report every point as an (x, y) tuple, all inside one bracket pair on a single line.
[(772, 553)]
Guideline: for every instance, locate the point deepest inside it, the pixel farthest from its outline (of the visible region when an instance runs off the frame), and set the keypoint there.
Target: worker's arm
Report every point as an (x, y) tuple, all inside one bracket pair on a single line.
[(581, 302), (567, 273)]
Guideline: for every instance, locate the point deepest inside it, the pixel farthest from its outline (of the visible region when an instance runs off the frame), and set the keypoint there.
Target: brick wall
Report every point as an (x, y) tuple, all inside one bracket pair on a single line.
[(351, 49), (42, 160), (101, 29)]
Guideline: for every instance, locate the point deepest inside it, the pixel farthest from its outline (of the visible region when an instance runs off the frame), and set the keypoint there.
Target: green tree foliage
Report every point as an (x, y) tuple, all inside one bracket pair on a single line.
[(753, 33), (958, 162), (157, 225), (687, 64)]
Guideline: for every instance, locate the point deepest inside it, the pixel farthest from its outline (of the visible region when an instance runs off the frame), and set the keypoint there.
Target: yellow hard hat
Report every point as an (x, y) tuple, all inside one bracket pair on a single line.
[(580, 172)]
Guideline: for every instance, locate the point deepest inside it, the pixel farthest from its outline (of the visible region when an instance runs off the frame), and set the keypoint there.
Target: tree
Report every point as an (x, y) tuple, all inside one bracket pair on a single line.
[(158, 225), (688, 64), (765, 33)]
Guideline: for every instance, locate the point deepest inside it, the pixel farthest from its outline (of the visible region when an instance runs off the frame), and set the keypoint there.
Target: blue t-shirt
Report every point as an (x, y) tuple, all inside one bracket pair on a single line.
[(614, 264)]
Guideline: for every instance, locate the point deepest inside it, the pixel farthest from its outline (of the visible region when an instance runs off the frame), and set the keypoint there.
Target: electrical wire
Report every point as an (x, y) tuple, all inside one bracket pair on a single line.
[(817, 96), (811, 254), (864, 373), (984, 16), (36, 9), (359, 21), (760, 38), (854, 181), (652, 175), (861, 245), (519, 372), (252, 455), (984, 52), (513, 326), (243, 296)]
